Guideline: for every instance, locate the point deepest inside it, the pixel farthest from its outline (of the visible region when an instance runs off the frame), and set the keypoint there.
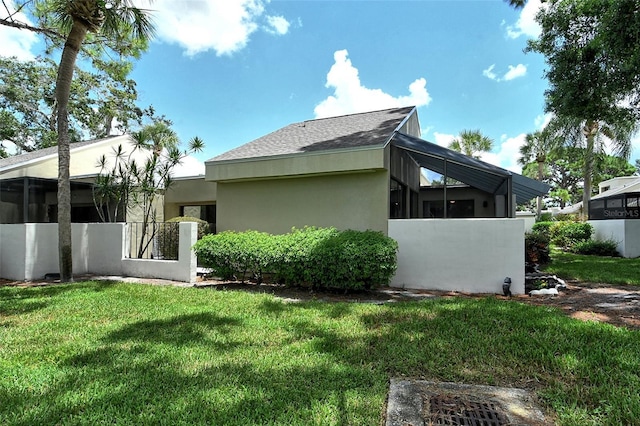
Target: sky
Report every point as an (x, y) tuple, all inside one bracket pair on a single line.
[(231, 71)]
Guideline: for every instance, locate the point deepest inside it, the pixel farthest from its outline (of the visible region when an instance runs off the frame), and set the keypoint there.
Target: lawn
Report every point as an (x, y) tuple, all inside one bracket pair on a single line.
[(594, 269), (97, 353)]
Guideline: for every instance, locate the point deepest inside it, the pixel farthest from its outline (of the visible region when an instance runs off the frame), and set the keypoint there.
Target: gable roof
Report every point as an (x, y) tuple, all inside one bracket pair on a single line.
[(42, 154), (366, 129), (469, 170)]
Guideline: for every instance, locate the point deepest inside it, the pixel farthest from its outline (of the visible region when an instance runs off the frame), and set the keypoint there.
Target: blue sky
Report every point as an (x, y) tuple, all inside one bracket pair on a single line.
[(231, 71)]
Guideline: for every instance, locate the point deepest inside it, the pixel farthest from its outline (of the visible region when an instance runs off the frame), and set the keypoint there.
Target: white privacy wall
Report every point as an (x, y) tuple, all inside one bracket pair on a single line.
[(467, 255), (29, 251), (626, 232)]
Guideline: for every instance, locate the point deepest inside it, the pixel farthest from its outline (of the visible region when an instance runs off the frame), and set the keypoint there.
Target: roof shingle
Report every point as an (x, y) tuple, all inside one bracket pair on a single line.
[(343, 132)]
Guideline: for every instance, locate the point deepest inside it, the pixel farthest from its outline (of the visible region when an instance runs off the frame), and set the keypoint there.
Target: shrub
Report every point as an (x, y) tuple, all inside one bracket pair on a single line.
[(169, 235), (565, 234), (536, 248), (542, 227), (235, 254), (597, 248), (546, 217), (317, 257)]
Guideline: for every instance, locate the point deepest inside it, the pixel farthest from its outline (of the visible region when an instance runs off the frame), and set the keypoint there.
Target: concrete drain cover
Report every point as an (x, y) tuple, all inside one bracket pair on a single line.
[(422, 403)]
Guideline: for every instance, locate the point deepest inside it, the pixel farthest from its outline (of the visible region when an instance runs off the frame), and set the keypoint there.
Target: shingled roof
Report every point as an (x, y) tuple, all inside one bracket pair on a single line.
[(366, 129)]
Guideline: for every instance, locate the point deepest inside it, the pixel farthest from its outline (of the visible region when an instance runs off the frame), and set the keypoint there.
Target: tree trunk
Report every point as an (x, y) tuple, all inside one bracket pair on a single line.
[(63, 89), (539, 198), (590, 130)]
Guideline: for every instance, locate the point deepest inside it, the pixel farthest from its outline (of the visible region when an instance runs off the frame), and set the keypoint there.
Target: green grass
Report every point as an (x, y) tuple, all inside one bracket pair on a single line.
[(595, 269), (97, 353)]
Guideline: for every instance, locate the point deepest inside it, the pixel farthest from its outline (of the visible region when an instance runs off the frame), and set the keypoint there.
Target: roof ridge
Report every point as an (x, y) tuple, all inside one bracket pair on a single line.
[(356, 113)]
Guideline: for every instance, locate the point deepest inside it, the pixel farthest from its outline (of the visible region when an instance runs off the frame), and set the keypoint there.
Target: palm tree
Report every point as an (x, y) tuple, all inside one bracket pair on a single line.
[(113, 19), (472, 143), (536, 148)]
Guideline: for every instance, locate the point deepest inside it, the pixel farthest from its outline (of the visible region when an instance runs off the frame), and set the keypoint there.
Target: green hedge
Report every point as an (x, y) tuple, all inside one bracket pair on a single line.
[(597, 248), (566, 233), (543, 227), (315, 257)]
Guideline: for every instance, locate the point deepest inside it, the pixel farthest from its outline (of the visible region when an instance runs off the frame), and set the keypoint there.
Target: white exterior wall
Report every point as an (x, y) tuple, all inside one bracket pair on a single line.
[(29, 251), (529, 220), (467, 255), (626, 232)]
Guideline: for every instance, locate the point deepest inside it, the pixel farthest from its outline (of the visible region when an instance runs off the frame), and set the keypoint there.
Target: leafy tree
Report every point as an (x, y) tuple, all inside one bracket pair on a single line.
[(102, 27), (98, 97), (125, 181), (593, 71), (471, 143)]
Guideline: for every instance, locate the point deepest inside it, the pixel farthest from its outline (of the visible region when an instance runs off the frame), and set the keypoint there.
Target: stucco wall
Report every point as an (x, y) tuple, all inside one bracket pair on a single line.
[(347, 201), (626, 232), (29, 251), (468, 255), (188, 192), (344, 161)]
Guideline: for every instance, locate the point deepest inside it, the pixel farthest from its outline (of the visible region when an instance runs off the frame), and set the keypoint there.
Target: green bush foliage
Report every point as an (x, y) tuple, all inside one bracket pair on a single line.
[(235, 254), (542, 227), (546, 217), (168, 236), (536, 248), (567, 233), (597, 248), (315, 257)]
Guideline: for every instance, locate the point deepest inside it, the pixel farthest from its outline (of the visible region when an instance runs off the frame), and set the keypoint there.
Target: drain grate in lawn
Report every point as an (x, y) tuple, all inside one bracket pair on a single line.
[(456, 411), (418, 402)]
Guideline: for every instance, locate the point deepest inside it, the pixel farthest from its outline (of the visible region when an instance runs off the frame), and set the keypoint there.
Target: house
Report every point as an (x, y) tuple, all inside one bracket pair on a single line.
[(28, 183), (356, 171)]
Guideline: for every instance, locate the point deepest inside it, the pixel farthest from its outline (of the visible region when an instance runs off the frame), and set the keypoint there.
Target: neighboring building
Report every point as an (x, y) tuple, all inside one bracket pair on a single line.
[(618, 198), (355, 171), (28, 183)]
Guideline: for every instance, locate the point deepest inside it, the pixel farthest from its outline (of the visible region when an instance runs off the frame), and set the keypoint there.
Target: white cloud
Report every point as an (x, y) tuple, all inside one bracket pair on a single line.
[(190, 166), (220, 25), (515, 72), (443, 139), (277, 25), (15, 42), (526, 24), (519, 70), (542, 121), (490, 74), (351, 96), (507, 154)]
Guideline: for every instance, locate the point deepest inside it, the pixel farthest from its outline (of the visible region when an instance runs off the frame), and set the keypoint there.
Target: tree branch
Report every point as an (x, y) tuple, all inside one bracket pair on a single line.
[(23, 26)]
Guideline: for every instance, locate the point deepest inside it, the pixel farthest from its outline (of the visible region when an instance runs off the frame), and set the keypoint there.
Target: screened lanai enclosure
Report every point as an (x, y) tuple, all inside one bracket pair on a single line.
[(466, 188), (34, 200)]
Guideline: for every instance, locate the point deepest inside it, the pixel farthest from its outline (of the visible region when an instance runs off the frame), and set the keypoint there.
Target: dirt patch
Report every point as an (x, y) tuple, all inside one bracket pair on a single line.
[(616, 305)]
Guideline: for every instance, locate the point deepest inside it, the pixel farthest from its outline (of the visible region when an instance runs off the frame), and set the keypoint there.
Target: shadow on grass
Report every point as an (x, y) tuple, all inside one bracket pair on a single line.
[(180, 330)]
